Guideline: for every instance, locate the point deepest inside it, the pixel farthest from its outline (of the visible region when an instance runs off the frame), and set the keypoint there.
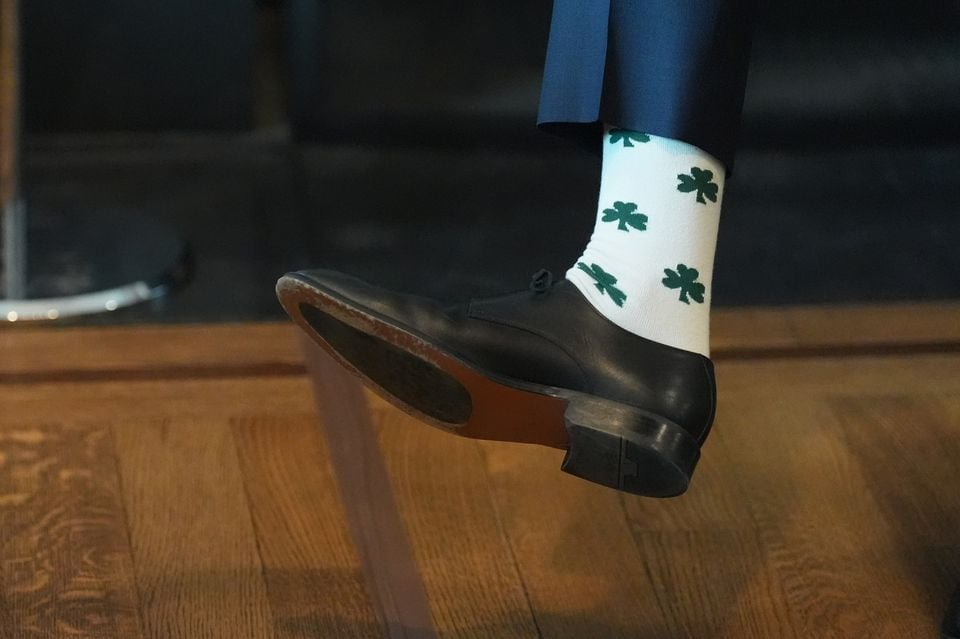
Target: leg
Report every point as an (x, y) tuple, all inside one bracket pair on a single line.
[(673, 68), (629, 396), (666, 79)]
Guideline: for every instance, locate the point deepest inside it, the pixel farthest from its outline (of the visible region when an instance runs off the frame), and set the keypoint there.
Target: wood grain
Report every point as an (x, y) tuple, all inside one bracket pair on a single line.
[(827, 330), (908, 448), (195, 553), (204, 398), (828, 544), (36, 355), (583, 572), (776, 538), (32, 355), (313, 576), (442, 493), (175, 483), (707, 539), (827, 376), (65, 561), (9, 103)]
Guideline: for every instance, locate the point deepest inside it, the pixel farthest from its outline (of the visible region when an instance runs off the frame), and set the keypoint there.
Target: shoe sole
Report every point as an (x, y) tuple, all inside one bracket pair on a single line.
[(606, 442)]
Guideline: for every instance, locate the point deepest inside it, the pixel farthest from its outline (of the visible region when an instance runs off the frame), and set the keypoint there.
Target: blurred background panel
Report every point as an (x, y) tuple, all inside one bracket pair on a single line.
[(396, 140), (823, 74), (138, 65), (827, 74), (431, 72), (843, 190)]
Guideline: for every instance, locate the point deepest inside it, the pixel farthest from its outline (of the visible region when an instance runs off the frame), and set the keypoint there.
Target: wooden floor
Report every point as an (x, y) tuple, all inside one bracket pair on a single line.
[(177, 483)]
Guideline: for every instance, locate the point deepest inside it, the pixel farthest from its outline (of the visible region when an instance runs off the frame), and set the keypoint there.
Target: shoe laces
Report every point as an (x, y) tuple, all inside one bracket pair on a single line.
[(541, 281)]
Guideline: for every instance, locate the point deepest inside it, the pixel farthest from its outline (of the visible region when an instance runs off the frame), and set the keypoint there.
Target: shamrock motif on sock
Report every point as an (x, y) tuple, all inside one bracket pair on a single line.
[(685, 278), (628, 137), (604, 282), (701, 181), (625, 213)]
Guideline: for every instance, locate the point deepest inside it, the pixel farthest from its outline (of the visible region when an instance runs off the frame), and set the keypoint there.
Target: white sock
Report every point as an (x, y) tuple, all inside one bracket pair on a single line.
[(649, 264)]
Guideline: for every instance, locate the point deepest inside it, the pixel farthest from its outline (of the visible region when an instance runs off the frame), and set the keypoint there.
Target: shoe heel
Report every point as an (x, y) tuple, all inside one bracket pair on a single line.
[(624, 448)]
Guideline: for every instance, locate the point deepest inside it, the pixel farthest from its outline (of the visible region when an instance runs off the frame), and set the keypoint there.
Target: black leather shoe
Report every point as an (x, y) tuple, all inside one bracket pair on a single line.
[(542, 366), (951, 622)]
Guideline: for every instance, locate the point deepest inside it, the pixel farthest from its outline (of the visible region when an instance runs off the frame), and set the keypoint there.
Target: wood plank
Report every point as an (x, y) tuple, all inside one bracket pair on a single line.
[(758, 328), (811, 328), (75, 353), (442, 492), (65, 559), (313, 576), (755, 563), (821, 376), (821, 507), (909, 450), (881, 324), (705, 556), (825, 536), (198, 571), (105, 400), (204, 398), (582, 570), (115, 352), (9, 98)]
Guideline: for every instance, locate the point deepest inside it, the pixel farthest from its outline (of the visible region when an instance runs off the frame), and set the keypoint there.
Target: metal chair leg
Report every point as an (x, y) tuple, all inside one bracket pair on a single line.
[(57, 264)]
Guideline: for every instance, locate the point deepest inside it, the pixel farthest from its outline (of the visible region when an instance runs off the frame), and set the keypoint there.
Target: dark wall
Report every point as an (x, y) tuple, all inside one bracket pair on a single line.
[(400, 71), (826, 73), (138, 64), (823, 72)]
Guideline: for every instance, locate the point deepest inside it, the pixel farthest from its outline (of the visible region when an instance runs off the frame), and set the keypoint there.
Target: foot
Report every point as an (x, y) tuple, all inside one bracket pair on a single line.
[(539, 366)]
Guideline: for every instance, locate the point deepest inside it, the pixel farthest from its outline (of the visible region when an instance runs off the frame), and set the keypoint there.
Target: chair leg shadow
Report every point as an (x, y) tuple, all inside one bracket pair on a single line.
[(391, 574)]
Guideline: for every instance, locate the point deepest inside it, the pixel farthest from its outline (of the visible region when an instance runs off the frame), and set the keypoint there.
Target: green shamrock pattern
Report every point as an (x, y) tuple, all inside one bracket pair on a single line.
[(604, 282), (625, 214), (628, 137), (701, 181), (685, 279)]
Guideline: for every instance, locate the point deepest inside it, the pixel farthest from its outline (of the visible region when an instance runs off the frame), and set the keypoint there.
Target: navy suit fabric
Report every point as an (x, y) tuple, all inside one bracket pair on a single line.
[(673, 68)]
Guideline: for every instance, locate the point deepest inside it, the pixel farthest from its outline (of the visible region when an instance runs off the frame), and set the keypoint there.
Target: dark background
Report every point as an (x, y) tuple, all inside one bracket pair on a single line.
[(396, 140)]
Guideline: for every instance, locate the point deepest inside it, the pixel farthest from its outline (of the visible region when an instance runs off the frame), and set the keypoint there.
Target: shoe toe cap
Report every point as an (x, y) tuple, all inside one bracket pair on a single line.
[(405, 308)]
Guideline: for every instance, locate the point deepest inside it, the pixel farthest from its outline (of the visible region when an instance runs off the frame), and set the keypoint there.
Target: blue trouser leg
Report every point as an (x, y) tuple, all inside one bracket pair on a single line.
[(673, 68)]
